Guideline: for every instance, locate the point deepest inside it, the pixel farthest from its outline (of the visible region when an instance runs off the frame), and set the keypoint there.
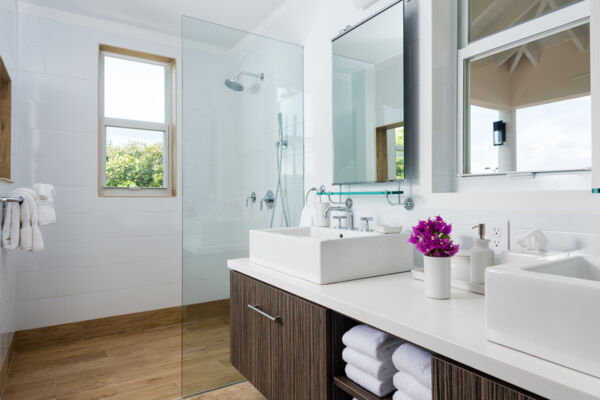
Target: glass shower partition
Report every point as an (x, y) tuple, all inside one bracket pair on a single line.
[(243, 168)]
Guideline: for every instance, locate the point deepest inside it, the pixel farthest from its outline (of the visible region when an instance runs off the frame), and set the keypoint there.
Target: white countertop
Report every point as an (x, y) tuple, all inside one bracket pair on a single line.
[(453, 328)]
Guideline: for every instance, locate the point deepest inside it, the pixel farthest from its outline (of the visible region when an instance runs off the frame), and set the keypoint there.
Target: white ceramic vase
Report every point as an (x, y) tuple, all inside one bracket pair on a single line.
[(437, 277)]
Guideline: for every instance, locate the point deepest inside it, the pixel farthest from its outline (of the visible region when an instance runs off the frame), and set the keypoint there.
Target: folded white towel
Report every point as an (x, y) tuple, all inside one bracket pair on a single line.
[(414, 361), (307, 218), (30, 237), (11, 226), (44, 191), (371, 342), (381, 370), (400, 395), (375, 386), (411, 387), (46, 195)]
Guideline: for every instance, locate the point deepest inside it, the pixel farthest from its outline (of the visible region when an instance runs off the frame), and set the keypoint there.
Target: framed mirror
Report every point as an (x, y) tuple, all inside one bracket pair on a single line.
[(368, 99)]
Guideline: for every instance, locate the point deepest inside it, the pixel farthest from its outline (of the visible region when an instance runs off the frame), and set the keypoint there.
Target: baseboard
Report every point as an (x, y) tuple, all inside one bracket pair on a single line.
[(6, 366), (75, 331), (210, 309)]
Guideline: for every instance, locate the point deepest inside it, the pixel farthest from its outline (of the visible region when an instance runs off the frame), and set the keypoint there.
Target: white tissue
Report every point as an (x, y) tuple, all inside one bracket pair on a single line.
[(534, 240)]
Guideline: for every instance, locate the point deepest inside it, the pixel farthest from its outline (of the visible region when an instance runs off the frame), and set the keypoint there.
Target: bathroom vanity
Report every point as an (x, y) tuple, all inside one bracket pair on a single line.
[(286, 339)]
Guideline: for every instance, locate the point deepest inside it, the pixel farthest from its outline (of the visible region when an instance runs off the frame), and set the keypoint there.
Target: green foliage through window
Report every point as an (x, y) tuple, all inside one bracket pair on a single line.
[(399, 153), (134, 164)]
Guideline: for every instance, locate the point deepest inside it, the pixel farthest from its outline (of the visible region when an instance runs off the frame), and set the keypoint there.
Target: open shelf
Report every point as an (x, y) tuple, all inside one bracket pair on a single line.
[(356, 390)]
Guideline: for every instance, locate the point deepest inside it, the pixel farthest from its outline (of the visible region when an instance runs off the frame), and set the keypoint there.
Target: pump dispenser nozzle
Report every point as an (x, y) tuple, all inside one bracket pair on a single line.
[(481, 228)]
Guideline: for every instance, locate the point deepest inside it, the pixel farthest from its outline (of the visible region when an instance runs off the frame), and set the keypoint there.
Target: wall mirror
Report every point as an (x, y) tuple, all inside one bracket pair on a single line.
[(527, 104), (368, 99), (5, 121)]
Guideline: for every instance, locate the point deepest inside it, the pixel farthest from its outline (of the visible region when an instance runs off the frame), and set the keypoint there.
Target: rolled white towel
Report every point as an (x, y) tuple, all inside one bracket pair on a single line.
[(400, 395), (371, 342), (381, 370), (411, 387), (414, 361), (46, 195), (11, 226), (373, 385)]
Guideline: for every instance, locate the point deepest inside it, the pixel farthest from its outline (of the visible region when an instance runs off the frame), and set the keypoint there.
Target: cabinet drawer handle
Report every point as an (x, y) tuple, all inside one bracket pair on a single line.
[(261, 312)]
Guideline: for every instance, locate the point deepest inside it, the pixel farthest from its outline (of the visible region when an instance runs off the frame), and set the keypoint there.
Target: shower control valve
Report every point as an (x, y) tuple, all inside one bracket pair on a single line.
[(268, 200)]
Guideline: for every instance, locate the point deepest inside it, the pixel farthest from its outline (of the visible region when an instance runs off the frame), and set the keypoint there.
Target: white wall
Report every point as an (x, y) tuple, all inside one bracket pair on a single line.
[(568, 217), (104, 256), (8, 52)]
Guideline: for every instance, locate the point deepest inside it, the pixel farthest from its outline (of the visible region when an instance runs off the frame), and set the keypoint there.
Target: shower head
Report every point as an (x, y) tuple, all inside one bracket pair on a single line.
[(234, 83)]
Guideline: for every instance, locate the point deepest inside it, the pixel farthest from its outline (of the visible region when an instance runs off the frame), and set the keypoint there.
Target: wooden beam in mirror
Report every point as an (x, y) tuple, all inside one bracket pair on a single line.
[(5, 121), (384, 145)]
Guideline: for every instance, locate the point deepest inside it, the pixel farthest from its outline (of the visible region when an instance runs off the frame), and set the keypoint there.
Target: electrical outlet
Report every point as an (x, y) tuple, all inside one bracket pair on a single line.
[(497, 231)]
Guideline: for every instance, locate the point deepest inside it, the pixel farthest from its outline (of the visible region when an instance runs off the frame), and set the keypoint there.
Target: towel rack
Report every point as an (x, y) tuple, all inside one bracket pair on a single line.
[(11, 199)]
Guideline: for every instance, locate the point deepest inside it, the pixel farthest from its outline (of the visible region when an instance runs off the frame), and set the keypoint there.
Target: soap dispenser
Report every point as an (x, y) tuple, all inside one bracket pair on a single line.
[(481, 256)]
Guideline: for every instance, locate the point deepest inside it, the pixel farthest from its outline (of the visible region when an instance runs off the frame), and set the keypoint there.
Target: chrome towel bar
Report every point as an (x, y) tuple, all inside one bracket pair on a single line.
[(11, 199)]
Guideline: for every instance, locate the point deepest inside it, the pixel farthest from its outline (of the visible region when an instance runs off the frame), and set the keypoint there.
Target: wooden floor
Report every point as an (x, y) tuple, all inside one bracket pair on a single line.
[(240, 391), (205, 364), (145, 365)]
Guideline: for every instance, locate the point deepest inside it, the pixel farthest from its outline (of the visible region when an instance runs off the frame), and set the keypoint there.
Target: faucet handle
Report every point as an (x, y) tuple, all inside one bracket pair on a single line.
[(339, 219), (365, 223)]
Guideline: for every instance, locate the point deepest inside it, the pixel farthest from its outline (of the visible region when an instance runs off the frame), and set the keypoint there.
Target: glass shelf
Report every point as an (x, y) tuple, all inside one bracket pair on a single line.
[(379, 193)]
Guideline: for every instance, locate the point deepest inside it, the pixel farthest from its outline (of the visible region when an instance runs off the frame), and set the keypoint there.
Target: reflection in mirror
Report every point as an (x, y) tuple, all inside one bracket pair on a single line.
[(541, 92), (368, 100), (490, 16)]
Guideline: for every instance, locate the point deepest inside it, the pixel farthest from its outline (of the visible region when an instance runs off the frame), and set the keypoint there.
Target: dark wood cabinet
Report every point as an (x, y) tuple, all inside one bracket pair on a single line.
[(452, 381), (290, 349), (281, 345)]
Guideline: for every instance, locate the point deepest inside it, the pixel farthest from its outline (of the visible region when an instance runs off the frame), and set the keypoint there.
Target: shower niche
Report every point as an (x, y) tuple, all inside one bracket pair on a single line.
[(243, 168), (5, 121)]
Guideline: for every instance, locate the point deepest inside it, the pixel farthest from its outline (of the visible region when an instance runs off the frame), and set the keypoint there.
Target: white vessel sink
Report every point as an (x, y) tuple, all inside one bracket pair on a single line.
[(548, 308), (324, 255)]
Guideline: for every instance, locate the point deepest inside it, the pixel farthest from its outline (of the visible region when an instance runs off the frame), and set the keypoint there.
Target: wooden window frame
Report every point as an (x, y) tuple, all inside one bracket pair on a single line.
[(168, 127)]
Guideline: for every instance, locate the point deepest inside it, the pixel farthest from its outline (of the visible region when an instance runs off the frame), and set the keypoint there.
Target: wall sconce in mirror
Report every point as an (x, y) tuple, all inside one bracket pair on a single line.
[(499, 133), (5, 121)]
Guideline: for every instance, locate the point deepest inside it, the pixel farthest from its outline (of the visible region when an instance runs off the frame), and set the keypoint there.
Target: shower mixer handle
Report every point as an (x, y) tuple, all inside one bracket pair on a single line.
[(268, 200)]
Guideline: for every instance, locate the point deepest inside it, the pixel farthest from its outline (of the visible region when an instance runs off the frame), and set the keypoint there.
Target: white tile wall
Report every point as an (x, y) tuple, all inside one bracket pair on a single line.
[(570, 218), (8, 52), (104, 256)]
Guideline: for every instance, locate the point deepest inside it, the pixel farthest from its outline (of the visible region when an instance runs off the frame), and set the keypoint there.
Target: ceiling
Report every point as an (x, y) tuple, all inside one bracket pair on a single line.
[(165, 15)]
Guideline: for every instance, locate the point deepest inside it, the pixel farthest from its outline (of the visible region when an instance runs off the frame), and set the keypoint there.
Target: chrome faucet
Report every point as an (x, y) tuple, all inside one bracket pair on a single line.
[(347, 208)]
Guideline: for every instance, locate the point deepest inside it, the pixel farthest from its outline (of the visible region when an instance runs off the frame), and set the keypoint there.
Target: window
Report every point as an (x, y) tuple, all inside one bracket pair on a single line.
[(136, 124), (530, 69)]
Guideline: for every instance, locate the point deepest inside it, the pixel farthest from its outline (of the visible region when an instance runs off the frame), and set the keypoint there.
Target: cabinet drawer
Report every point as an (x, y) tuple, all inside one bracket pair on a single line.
[(280, 343), (250, 348)]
